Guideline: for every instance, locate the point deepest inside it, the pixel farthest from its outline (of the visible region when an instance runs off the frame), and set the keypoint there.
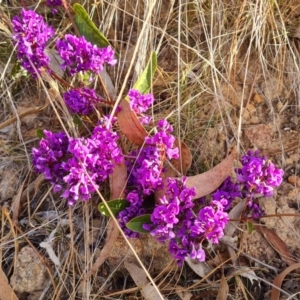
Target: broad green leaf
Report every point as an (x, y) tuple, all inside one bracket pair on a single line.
[(115, 206), (249, 227), (40, 133), (143, 84), (87, 28), (136, 224)]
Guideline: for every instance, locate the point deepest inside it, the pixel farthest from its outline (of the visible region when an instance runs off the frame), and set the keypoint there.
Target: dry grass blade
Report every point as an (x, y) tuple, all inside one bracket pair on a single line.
[(30, 111), (275, 293)]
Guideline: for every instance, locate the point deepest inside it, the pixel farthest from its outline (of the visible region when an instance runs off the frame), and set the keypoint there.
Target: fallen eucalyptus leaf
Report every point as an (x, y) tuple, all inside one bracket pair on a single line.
[(183, 293), (209, 181), (200, 268), (140, 278), (223, 289), (130, 124)]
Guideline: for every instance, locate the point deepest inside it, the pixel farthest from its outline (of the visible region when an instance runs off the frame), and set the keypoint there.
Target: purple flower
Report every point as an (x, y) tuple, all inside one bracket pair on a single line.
[(80, 55), (229, 191), (144, 169), (31, 35), (49, 159), (211, 222), (54, 3), (173, 219), (258, 175), (77, 166), (164, 139), (139, 104), (81, 100), (135, 209)]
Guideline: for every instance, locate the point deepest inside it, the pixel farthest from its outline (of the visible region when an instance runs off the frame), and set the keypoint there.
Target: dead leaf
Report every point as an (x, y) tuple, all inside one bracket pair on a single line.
[(277, 243), (16, 203), (235, 213), (275, 292), (117, 181), (139, 276), (209, 181), (223, 290), (200, 268), (108, 84), (183, 163), (117, 184), (6, 290), (183, 293), (112, 235), (130, 124), (55, 62), (245, 272)]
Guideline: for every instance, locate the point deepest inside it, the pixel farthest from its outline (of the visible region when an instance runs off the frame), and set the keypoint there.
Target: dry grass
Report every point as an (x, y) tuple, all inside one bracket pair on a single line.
[(213, 57)]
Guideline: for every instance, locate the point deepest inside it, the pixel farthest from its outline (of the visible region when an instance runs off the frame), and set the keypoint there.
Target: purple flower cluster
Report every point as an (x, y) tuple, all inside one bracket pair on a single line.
[(228, 191), (77, 165), (175, 221), (146, 164), (31, 35), (51, 157), (81, 101), (136, 200), (164, 139), (80, 55), (139, 104), (258, 175), (144, 169)]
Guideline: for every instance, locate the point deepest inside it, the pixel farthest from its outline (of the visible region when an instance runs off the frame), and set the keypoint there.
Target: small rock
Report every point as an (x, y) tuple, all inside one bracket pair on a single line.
[(260, 136), (248, 111), (257, 98), (8, 184), (293, 179), (30, 274), (148, 250)]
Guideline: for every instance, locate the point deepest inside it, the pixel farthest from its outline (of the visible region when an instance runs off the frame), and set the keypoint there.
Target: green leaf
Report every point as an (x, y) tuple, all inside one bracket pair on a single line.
[(143, 84), (249, 227), (40, 133), (87, 28), (77, 121), (115, 206), (136, 224)]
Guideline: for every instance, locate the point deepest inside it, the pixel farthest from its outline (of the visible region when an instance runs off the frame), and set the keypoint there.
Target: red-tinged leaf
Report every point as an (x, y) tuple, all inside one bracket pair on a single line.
[(112, 235), (277, 244), (275, 293), (130, 124), (6, 290), (209, 181), (117, 181), (183, 163)]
